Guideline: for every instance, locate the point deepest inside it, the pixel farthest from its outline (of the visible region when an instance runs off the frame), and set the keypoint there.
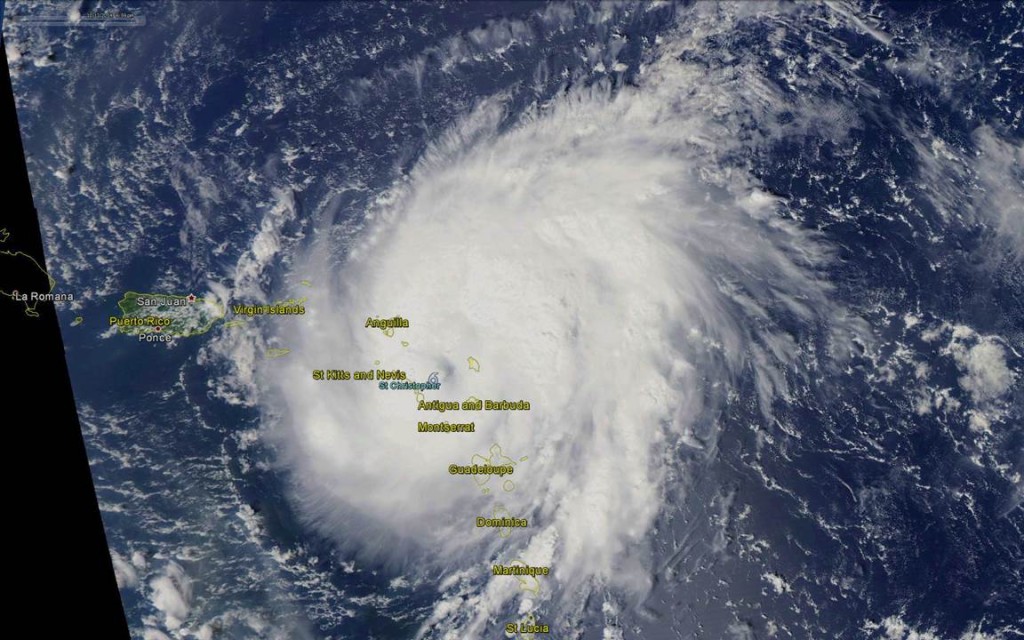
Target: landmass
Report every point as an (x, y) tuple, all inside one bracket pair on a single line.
[(23, 279), (166, 314)]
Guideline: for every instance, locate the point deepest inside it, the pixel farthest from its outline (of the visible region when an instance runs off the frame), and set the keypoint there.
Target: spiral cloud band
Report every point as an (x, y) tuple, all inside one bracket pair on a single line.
[(599, 260)]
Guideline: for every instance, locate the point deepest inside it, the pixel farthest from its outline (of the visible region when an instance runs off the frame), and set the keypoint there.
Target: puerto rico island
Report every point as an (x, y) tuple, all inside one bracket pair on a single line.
[(160, 316)]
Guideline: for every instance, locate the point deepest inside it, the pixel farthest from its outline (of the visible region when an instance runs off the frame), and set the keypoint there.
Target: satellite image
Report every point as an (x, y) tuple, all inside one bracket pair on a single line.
[(529, 320)]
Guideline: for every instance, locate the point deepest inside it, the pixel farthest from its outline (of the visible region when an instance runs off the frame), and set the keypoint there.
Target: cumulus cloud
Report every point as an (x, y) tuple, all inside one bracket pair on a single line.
[(597, 259), (987, 375), (982, 359), (896, 628), (124, 572), (172, 595), (265, 245)]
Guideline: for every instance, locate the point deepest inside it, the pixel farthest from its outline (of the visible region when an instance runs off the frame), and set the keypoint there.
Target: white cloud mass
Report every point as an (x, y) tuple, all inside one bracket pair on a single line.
[(172, 595), (600, 260), (986, 375)]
